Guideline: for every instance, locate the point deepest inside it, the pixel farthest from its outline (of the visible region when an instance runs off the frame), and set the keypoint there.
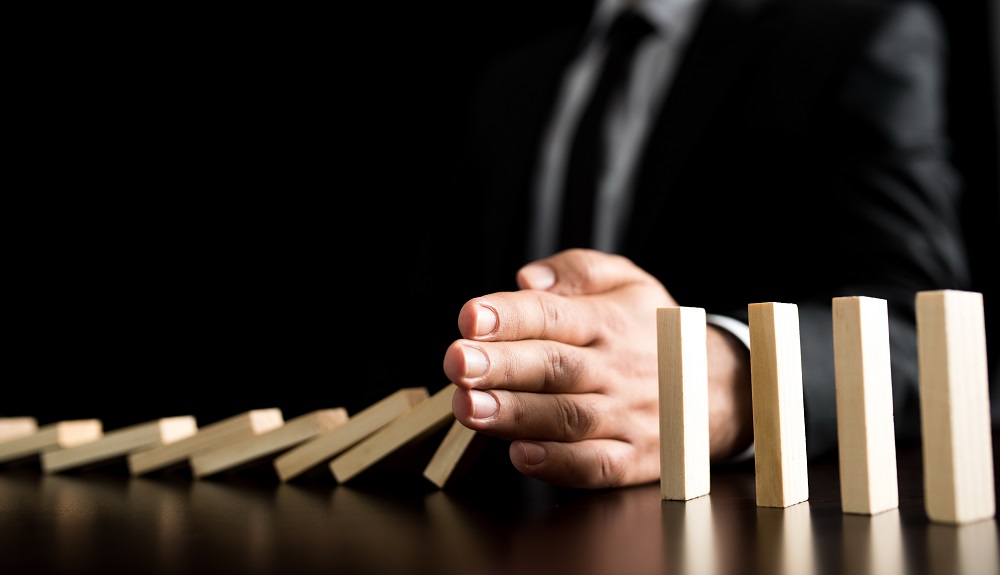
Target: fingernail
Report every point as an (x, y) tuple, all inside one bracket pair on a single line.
[(533, 453), (538, 276), (486, 320), (484, 405), (476, 361)]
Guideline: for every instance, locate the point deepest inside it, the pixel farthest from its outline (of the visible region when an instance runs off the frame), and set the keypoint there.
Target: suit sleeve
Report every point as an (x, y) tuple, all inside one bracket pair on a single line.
[(901, 202)]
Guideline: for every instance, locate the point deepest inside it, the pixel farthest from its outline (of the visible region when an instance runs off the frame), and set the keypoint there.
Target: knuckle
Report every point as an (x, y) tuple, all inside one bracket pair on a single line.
[(560, 364), (578, 420), (611, 469), (549, 313)]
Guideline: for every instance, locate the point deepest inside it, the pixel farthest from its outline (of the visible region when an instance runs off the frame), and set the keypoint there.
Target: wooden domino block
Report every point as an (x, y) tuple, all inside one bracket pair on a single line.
[(215, 435), (778, 405), (423, 419), (120, 442), (955, 407), (866, 433), (325, 446), (683, 378), (12, 427), (447, 456), (267, 444), (59, 435)]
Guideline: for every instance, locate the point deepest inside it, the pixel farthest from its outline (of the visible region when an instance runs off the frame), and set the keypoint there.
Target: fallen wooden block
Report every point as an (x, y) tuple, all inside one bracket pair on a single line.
[(449, 454), (215, 435), (866, 433), (955, 407), (264, 445), (59, 435), (423, 419), (779, 428), (683, 379), (11, 427), (120, 442), (325, 446)]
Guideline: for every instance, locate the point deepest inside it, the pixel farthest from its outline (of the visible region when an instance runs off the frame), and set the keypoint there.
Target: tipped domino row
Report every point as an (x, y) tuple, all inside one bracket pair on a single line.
[(954, 410), (346, 445), (954, 405)]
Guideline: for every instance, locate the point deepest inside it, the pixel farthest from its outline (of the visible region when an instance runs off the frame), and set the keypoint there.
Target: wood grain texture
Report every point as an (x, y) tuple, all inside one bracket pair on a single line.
[(955, 407), (865, 428), (448, 454), (325, 446), (212, 436), (58, 435), (683, 388), (267, 444), (778, 405), (120, 442), (421, 420)]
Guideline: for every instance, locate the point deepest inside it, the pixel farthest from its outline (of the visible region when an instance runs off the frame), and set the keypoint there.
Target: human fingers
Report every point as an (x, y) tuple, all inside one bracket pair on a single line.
[(532, 315), (532, 366), (581, 271), (589, 464), (544, 416)]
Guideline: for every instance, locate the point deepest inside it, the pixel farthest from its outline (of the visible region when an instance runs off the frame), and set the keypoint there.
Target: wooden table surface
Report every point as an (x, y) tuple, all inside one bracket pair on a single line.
[(492, 520)]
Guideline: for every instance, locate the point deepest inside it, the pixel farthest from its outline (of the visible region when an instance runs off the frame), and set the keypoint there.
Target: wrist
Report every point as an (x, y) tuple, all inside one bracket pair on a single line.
[(730, 399)]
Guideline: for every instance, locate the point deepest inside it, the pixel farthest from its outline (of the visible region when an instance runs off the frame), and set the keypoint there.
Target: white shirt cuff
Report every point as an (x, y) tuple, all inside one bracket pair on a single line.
[(740, 331)]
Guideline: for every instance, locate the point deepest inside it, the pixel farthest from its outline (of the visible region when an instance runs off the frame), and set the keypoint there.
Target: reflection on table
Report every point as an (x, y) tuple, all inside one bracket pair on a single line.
[(492, 521)]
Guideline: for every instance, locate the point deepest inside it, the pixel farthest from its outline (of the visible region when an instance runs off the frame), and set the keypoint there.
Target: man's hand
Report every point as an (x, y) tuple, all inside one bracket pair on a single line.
[(566, 368)]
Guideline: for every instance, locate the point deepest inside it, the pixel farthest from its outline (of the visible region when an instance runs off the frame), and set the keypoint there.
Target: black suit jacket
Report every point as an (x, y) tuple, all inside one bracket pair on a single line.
[(801, 155)]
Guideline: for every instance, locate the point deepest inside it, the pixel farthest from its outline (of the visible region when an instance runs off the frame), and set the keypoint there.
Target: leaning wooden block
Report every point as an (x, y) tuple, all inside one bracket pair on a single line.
[(423, 419), (215, 435), (11, 427), (867, 440), (683, 377), (955, 407), (120, 442), (281, 438), (59, 435), (449, 453), (779, 428), (325, 446)]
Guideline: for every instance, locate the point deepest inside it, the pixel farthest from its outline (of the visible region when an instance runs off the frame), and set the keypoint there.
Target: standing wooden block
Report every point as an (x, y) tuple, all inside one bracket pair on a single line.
[(683, 375), (213, 436), (11, 427), (325, 446), (779, 427), (59, 435), (447, 456), (866, 434), (279, 439), (423, 419), (955, 407), (120, 442)]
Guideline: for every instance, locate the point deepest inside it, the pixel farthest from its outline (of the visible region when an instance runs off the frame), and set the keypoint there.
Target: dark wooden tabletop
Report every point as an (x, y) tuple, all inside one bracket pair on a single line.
[(490, 520)]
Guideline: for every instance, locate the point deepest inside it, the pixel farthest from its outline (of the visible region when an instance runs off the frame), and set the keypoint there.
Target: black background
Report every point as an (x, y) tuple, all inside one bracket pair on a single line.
[(221, 212)]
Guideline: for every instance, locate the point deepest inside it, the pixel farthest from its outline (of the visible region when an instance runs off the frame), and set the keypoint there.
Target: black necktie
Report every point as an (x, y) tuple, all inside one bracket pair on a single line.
[(587, 152)]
